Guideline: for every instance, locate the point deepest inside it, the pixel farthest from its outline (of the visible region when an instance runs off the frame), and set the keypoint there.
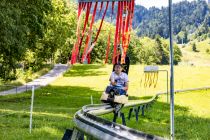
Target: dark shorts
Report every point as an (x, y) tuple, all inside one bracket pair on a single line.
[(117, 88)]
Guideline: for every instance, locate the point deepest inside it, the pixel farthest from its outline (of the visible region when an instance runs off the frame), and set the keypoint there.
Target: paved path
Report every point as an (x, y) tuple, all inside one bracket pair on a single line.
[(44, 80)]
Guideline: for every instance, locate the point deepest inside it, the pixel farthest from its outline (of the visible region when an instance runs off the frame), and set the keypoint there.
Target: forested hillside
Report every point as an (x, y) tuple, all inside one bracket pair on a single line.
[(191, 20), (187, 18)]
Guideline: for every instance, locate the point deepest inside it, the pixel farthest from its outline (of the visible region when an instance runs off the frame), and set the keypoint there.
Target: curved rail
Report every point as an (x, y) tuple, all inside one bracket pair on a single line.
[(87, 121)]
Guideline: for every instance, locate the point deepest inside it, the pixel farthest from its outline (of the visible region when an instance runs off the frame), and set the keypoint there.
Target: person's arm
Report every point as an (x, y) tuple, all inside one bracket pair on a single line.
[(126, 83), (126, 86), (112, 81)]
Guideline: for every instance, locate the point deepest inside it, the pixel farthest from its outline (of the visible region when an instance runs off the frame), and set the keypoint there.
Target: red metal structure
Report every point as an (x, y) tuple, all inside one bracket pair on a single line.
[(124, 16)]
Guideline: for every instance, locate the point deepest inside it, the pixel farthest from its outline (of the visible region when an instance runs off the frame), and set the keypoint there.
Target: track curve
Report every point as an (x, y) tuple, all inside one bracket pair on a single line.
[(87, 121)]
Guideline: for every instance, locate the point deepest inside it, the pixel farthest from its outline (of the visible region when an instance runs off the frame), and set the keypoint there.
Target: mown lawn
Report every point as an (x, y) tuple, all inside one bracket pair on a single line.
[(56, 104)]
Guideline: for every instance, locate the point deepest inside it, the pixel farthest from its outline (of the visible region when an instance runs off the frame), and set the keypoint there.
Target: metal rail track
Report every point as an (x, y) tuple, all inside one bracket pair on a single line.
[(87, 121)]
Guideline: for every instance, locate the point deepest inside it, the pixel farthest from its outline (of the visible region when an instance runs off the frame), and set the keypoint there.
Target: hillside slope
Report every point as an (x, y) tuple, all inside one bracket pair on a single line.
[(199, 58)]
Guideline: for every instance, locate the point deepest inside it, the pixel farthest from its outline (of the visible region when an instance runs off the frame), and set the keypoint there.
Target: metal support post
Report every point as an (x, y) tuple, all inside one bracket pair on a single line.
[(171, 73)]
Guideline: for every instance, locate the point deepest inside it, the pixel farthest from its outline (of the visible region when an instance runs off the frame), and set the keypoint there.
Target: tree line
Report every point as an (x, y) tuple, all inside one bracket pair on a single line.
[(190, 20), (142, 50)]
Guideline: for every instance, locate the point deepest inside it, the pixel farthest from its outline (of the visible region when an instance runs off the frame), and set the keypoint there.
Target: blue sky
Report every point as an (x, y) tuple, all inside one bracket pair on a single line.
[(156, 3)]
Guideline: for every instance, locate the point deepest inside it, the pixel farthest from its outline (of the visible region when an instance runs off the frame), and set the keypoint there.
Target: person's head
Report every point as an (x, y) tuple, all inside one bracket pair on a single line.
[(119, 49), (118, 68)]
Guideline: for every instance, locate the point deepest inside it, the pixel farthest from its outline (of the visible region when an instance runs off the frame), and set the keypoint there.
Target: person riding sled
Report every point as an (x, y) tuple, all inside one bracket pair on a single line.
[(116, 92), (119, 80)]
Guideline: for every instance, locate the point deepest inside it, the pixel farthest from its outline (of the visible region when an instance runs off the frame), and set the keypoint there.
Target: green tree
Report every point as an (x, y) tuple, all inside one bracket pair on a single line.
[(135, 50), (177, 55), (162, 52), (182, 37), (22, 24), (60, 34), (194, 48)]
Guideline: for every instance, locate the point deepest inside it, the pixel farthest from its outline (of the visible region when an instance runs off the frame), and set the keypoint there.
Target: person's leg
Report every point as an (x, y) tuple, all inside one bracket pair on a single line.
[(108, 89), (122, 92)]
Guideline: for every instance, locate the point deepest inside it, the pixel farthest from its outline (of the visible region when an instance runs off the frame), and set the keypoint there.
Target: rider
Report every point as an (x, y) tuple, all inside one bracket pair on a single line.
[(119, 80)]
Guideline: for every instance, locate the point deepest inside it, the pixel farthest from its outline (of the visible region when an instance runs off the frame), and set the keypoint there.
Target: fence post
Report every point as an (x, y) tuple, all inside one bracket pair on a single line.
[(91, 99), (31, 111)]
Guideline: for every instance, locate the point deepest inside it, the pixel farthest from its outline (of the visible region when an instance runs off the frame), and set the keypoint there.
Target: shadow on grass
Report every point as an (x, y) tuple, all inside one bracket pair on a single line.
[(65, 96), (15, 99), (139, 98), (54, 108), (85, 70), (157, 121)]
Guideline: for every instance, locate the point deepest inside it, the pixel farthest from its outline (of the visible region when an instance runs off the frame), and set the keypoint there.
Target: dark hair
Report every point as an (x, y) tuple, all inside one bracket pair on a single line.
[(118, 64)]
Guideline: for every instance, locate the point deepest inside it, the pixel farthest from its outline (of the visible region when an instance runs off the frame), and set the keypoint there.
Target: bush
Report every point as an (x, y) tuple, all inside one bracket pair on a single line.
[(194, 48), (28, 75)]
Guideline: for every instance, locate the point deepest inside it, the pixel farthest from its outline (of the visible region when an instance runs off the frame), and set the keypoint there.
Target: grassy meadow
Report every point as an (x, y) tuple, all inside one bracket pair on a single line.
[(199, 58), (56, 104)]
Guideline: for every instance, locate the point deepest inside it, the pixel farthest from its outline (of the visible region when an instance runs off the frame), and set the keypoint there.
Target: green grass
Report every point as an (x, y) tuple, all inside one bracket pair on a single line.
[(56, 104), (197, 58), (192, 116), (201, 46), (54, 108), (22, 80)]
